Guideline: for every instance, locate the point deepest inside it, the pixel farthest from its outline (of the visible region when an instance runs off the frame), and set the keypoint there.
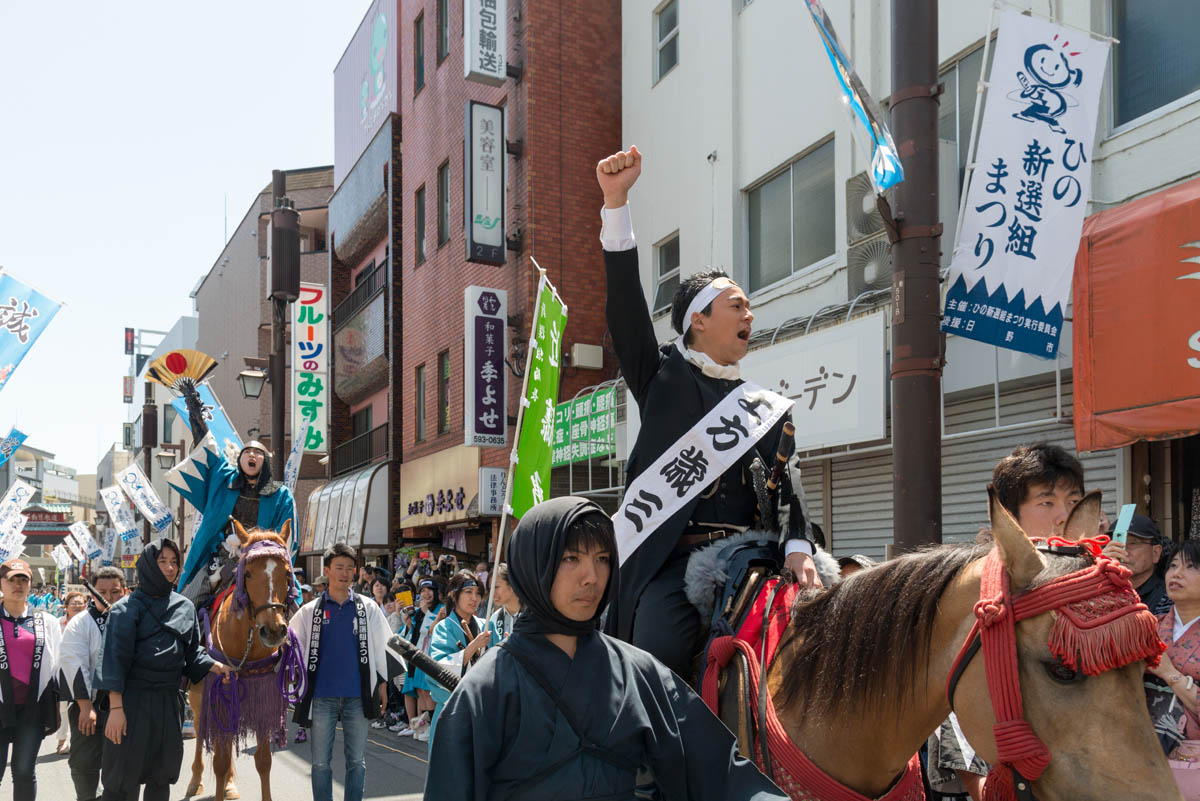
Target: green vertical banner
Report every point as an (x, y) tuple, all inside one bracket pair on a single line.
[(531, 474)]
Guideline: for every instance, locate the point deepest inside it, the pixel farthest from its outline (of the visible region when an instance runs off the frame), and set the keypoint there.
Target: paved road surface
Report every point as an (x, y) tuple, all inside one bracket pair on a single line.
[(395, 771)]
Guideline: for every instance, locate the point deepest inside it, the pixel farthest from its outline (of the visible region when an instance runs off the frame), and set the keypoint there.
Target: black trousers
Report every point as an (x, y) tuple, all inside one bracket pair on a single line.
[(24, 738), (86, 753), (666, 623), (151, 752)]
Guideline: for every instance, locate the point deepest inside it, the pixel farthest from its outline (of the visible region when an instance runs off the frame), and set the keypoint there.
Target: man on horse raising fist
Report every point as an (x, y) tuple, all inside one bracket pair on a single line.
[(688, 476)]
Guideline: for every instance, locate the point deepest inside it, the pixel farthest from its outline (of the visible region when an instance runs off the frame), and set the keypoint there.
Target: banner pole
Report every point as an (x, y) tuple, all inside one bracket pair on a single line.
[(512, 455), (980, 86)]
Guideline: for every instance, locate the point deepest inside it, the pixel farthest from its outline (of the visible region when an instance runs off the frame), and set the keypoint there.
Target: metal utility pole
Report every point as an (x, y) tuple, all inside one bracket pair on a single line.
[(285, 289), (916, 335), (149, 441)]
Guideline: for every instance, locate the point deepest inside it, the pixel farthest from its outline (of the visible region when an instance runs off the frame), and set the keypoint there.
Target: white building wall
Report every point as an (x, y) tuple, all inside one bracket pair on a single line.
[(753, 85)]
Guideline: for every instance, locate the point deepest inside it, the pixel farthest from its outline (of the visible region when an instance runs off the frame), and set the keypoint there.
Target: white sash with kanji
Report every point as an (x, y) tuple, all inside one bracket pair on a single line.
[(695, 461)]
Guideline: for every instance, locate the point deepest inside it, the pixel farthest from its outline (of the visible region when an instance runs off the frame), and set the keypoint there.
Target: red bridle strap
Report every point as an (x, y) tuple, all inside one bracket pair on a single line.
[(1100, 624)]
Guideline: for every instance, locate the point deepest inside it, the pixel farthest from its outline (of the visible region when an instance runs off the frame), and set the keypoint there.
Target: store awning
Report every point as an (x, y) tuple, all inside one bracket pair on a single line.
[(1137, 331), (352, 509)]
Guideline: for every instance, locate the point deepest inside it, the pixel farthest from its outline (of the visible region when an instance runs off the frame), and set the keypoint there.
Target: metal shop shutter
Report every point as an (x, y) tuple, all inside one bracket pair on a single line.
[(862, 505), (814, 492), (967, 463)]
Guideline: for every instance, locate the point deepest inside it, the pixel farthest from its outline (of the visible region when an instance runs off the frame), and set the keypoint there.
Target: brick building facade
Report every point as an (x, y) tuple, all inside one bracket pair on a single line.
[(563, 112)]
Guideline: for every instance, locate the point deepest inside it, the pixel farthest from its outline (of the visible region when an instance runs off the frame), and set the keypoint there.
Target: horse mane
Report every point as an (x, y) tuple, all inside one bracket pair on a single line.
[(860, 643), (262, 535), (864, 641)]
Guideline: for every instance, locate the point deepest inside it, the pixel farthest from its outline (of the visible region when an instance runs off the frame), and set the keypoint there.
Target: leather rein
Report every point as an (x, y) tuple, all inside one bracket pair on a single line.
[(1092, 605)]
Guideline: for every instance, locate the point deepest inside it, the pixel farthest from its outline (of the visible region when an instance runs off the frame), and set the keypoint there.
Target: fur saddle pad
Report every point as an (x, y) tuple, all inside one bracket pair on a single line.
[(708, 568)]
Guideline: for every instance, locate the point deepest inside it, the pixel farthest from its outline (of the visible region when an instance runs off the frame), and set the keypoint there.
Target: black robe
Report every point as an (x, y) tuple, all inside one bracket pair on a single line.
[(150, 643), (672, 396), (499, 728)]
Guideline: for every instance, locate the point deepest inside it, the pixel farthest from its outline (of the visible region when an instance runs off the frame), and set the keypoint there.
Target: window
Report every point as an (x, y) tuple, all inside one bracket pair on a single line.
[(443, 204), (419, 403), (1157, 61), (419, 53), (444, 392), (666, 34), (666, 259), (957, 105), (419, 226), (360, 422), (791, 218), (443, 30)]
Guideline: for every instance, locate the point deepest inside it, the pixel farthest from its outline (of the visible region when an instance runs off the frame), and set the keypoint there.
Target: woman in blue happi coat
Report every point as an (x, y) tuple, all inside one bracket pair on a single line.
[(221, 492), (459, 636)]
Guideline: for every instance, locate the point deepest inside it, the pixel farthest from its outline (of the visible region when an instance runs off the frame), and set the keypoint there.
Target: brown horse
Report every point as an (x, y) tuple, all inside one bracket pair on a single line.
[(859, 681), (248, 628)]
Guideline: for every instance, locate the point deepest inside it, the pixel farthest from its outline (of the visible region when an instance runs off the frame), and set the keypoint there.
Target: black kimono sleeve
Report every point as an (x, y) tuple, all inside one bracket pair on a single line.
[(468, 742), (629, 322), (197, 663), (702, 763), (117, 647)]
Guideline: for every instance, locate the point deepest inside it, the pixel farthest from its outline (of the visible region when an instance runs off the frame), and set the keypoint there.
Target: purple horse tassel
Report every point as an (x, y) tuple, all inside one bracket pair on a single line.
[(248, 702)]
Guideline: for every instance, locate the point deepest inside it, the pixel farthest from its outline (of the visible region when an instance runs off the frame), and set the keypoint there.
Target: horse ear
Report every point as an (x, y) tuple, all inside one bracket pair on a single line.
[(240, 532), (285, 531), (1084, 520), (1021, 559)]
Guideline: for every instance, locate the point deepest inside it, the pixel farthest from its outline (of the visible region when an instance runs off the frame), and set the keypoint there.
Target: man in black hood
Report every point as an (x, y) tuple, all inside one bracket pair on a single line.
[(151, 640), (563, 711)]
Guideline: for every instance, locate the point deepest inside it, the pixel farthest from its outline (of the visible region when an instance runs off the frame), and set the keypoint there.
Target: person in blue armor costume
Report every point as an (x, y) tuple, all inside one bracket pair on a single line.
[(222, 493)]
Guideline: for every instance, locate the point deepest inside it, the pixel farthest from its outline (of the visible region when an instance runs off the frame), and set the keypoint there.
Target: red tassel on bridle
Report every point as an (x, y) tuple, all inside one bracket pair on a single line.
[(1100, 624)]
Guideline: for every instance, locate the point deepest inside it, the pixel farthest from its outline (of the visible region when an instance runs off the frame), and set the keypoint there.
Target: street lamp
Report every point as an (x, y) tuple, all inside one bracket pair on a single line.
[(251, 380), (166, 456)]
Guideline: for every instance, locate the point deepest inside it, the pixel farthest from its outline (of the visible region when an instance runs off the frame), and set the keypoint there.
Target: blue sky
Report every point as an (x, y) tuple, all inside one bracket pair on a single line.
[(123, 129)]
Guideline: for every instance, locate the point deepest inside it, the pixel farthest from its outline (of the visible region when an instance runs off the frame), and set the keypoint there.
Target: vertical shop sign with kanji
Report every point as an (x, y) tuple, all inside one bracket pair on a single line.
[(531, 473), (485, 390), (484, 183), (310, 367), (485, 38), (1011, 274)]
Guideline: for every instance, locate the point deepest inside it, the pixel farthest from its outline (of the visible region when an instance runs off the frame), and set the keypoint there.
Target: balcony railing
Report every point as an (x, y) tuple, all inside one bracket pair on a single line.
[(368, 285), (362, 450)]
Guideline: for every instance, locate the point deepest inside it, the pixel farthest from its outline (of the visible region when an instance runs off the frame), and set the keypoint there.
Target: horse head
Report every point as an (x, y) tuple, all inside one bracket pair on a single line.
[(1081, 700), (869, 668), (264, 583)]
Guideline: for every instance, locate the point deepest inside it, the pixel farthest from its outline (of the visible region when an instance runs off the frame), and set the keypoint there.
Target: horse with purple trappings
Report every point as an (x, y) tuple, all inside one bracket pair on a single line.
[(248, 630)]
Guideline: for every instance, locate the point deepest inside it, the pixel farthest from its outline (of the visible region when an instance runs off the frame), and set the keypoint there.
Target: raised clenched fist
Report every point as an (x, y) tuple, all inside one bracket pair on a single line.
[(617, 174)]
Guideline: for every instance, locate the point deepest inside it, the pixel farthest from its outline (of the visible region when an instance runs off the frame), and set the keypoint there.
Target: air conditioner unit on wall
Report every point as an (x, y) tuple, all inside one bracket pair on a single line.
[(862, 215), (868, 265), (867, 260)]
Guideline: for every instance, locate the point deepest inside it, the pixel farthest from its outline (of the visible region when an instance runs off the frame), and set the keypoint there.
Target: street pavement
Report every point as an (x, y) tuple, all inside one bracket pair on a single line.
[(395, 771)]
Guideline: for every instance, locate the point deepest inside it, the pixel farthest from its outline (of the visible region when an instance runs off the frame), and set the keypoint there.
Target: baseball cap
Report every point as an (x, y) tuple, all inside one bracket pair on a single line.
[(16, 567), (1144, 528), (856, 559)]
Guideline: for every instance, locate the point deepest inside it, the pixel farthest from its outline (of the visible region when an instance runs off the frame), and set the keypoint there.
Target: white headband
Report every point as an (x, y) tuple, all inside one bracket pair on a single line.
[(704, 297)]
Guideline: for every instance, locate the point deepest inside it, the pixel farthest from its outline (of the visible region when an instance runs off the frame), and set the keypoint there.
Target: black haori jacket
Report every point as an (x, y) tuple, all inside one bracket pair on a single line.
[(372, 632), (672, 396), (43, 684)]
